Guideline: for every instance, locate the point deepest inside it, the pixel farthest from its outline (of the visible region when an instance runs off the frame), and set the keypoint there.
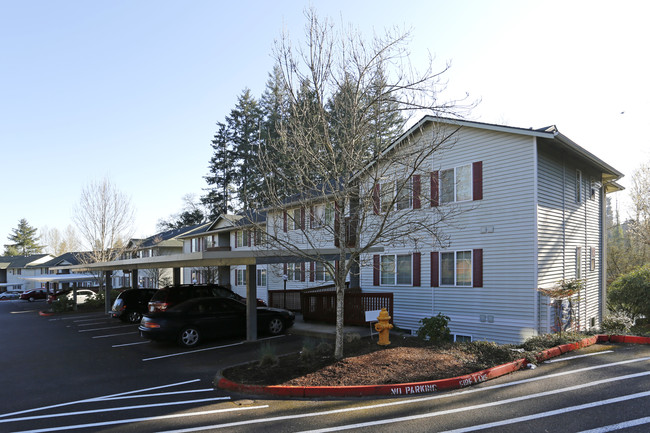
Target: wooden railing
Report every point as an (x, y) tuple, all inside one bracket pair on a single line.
[(321, 306)]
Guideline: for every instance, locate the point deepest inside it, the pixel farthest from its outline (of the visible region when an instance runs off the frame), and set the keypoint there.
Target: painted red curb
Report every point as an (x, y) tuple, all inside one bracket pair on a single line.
[(45, 313), (419, 387)]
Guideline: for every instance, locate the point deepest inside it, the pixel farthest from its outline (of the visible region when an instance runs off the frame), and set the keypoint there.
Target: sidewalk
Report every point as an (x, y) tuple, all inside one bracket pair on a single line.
[(324, 330)]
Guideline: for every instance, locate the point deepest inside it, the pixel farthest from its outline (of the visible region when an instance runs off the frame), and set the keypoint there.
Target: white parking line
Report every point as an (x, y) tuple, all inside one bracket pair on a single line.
[(105, 397), (208, 348), (131, 344), (111, 409), (108, 327), (193, 351), (619, 426), (94, 323), (153, 418), (550, 361), (115, 335)]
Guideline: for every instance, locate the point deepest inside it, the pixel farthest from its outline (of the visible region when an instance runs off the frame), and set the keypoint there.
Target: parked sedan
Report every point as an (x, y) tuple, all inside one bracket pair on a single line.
[(32, 295), (167, 297), (9, 295), (131, 304), (200, 319)]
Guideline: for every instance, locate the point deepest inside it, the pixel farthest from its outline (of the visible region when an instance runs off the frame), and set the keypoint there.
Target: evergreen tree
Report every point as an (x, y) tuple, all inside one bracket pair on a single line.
[(244, 124), (222, 174), (25, 241), (385, 121)]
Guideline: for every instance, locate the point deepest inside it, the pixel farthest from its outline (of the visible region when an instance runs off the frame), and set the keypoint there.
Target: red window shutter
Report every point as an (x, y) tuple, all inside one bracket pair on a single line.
[(312, 267), (302, 218), (477, 180), (416, 269), (248, 233), (337, 226), (435, 273), (416, 191), (302, 271), (311, 217), (375, 199), (236, 240), (477, 267), (285, 221), (375, 270), (286, 269), (434, 188)]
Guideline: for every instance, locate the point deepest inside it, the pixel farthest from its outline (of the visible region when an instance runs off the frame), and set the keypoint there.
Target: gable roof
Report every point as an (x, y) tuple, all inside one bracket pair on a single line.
[(168, 237), (70, 258), (8, 262)]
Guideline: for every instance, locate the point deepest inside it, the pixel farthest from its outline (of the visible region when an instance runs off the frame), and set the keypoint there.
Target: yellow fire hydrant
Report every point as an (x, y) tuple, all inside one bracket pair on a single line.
[(383, 327)]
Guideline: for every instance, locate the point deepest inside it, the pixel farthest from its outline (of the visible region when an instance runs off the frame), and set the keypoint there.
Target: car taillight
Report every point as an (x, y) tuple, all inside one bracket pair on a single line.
[(151, 325)]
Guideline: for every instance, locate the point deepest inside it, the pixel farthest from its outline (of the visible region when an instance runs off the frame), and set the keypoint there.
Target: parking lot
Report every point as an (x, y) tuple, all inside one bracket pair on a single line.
[(91, 364)]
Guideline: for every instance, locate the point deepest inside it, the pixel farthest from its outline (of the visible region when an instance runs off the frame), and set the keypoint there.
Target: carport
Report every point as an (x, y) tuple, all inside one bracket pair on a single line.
[(250, 258), (63, 279)]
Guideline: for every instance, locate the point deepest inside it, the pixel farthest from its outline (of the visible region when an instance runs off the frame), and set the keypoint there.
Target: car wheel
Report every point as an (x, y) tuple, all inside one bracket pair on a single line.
[(189, 337), (133, 317), (31, 299), (275, 326)]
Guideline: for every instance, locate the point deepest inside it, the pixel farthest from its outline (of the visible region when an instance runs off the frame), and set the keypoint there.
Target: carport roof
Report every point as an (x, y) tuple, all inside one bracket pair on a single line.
[(211, 258), (60, 278)]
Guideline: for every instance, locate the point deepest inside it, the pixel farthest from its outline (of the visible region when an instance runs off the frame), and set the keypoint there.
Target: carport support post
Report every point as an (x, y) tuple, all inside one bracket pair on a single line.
[(108, 286), (176, 276), (251, 302)]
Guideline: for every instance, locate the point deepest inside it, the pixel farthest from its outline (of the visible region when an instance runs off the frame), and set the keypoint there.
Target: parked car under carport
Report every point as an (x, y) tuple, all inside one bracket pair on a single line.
[(200, 319)]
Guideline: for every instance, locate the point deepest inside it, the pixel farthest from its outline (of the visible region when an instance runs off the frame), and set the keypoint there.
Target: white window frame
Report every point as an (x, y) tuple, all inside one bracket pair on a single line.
[(323, 215), (406, 194), (261, 277), (242, 238), (463, 338), (295, 222), (455, 271), (455, 182), (386, 195), (240, 277), (395, 270), (293, 269), (324, 275)]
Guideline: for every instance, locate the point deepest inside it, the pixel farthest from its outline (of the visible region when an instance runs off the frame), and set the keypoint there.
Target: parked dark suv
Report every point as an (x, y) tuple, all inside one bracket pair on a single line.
[(173, 295), (131, 304)]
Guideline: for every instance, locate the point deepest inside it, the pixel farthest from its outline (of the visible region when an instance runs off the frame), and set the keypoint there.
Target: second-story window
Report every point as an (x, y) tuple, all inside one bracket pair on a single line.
[(456, 184), (242, 238)]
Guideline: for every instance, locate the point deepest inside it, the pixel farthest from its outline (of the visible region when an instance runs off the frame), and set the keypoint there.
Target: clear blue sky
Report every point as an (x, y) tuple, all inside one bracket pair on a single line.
[(133, 89)]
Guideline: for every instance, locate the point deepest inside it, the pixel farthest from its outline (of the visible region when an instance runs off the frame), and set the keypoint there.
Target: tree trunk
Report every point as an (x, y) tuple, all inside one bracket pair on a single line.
[(340, 297)]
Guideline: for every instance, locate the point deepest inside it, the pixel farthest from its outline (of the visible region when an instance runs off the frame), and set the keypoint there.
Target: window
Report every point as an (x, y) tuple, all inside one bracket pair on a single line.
[(386, 194), (396, 270), (578, 186), (260, 236), (456, 184), (456, 268), (405, 195), (242, 238), (462, 338), (293, 271), (321, 272), (261, 277), (296, 219), (323, 216), (578, 264), (240, 277)]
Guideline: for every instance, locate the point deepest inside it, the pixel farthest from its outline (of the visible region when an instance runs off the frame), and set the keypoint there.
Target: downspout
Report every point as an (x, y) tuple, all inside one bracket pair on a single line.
[(602, 310), (536, 294)]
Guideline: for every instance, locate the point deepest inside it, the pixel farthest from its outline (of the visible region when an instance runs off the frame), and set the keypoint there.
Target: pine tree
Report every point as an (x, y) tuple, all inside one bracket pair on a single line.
[(25, 241), (244, 124), (221, 175)]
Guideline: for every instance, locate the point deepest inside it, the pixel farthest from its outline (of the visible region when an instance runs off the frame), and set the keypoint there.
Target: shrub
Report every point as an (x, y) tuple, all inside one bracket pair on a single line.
[(630, 293), (616, 323), (435, 329), (268, 358)]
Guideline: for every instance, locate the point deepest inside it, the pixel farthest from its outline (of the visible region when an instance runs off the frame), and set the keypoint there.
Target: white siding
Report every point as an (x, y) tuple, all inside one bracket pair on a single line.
[(564, 226), (507, 210)]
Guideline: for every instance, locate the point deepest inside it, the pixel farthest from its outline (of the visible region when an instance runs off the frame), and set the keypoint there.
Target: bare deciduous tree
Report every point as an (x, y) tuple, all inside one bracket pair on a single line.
[(104, 217), (57, 243), (353, 191)]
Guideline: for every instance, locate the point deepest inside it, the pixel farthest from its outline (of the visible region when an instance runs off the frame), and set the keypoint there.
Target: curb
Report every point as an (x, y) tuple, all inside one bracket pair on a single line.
[(420, 387), (45, 313)]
